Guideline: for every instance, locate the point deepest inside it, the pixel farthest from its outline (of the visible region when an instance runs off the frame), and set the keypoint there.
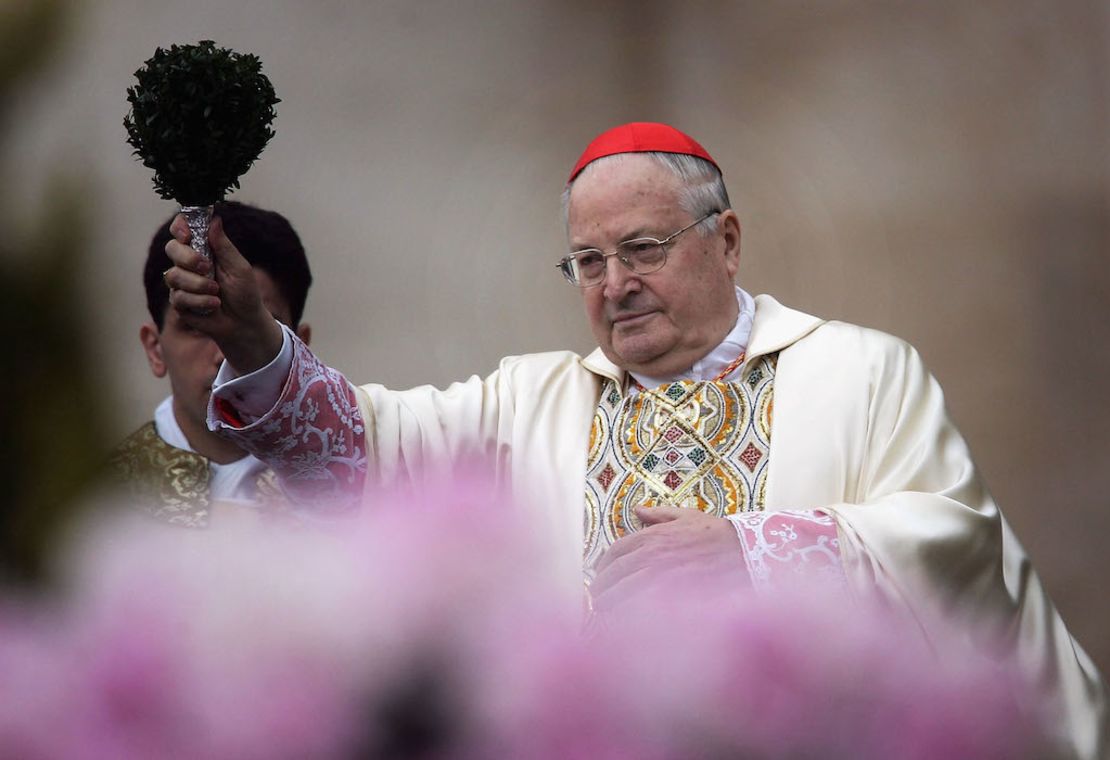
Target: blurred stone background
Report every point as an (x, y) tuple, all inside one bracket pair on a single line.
[(936, 170)]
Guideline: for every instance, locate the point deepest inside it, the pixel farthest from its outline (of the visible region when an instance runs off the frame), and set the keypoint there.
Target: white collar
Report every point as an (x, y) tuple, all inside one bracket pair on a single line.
[(233, 481), (165, 422)]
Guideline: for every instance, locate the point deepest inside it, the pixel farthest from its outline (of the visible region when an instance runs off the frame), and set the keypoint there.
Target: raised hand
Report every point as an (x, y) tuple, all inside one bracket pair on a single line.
[(228, 307)]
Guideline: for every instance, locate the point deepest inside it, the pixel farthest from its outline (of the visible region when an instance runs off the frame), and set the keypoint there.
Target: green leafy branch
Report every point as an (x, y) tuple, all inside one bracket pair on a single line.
[(200, 116)]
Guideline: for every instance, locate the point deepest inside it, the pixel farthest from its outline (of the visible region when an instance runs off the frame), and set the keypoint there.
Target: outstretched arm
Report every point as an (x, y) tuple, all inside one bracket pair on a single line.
[(302, 417)]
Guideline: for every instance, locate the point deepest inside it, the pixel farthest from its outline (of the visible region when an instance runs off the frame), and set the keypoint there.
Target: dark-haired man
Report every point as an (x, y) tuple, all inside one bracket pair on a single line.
[(174, 465)]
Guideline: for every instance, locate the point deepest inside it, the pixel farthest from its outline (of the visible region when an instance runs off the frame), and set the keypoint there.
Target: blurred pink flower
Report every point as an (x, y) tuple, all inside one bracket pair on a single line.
[(439, 624)]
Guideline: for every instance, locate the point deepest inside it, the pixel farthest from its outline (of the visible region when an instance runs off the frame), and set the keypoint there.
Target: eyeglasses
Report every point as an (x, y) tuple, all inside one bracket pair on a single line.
[(645, 255)]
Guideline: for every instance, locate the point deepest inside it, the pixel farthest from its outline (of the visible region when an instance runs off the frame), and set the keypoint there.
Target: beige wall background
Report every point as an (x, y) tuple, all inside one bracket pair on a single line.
[(937, 170)]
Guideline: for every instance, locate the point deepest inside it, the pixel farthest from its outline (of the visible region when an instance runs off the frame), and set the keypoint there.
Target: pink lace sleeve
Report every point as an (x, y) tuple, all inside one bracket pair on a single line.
[(782, 548), (314, 437)]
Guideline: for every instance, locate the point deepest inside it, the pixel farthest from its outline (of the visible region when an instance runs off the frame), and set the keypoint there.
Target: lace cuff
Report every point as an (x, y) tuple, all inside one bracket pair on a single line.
[(790, 547), (314, 437)]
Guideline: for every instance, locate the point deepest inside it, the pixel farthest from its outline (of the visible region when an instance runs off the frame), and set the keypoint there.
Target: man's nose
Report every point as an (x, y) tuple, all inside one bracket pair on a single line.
[(619, 280)]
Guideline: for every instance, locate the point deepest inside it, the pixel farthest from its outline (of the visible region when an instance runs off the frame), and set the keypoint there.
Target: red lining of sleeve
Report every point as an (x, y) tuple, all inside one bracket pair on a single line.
[(227, 413)]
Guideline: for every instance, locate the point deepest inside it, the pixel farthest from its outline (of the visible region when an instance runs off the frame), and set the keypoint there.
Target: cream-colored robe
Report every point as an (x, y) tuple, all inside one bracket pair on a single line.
[(860, 431)]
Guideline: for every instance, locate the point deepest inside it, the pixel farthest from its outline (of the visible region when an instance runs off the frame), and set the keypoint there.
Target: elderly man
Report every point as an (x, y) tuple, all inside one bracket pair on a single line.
[(709, 429)]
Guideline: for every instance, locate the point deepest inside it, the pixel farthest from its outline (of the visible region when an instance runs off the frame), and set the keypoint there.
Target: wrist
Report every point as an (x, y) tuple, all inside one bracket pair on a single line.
[(259, 350)]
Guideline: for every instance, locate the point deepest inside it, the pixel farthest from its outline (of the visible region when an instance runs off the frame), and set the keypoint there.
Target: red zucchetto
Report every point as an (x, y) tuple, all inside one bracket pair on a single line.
[(640, 137)]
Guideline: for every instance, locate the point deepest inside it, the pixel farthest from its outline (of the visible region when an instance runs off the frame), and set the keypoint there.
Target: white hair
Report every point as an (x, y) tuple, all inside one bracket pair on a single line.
[(703, 188)]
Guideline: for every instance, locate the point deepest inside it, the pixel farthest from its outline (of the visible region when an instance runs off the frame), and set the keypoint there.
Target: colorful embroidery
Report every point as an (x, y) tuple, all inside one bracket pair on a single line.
[(698, 445)]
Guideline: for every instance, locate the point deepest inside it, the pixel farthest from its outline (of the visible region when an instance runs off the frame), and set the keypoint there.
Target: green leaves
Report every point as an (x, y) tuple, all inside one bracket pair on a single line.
[(200, 116)]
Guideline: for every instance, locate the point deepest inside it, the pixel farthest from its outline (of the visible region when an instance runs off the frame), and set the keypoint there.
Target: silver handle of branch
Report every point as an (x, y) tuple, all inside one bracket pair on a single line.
[(198, 219)]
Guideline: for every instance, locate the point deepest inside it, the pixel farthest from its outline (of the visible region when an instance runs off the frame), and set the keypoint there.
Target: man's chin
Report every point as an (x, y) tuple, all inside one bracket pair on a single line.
[(637, 355)]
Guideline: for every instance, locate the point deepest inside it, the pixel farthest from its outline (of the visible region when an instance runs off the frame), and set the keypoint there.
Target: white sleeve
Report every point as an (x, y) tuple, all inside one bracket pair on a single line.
[(253, 395)]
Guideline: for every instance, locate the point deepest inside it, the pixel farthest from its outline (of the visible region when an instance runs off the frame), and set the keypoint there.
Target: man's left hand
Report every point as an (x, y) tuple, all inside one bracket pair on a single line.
[(675, 542)]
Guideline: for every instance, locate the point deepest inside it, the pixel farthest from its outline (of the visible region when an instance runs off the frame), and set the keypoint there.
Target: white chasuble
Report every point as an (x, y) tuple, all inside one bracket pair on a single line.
[(860, 434)]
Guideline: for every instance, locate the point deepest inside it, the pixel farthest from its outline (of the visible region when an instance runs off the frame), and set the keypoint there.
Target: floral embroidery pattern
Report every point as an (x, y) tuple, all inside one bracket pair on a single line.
[(314, 438), (173, 485), (168, 482), (785, 547)]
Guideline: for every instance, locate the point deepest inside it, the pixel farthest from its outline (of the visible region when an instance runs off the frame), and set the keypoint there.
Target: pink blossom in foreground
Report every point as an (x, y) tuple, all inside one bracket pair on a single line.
[(439, 626)]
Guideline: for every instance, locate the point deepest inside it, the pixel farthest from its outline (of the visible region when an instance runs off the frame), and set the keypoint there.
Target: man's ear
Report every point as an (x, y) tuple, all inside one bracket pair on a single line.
[(152, 344), (728, 224), (304, 332)]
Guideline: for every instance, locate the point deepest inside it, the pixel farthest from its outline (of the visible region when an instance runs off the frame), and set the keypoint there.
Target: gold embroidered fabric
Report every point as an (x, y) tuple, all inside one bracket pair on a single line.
[(698, 445), (168, 482), (172, 484)]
